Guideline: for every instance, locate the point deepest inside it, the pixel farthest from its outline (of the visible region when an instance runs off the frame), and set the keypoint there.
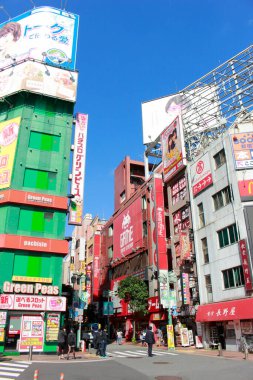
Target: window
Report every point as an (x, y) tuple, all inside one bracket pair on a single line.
[(205, 250), (110, 230), (144, 203), (78, 243), (209, 289), (110, 252), (144, 229), (201, 215), (39, 179), (122, 196), (44, 141), (36, 221), (228, 236), (233, 277), (222, 198), (220, 158)]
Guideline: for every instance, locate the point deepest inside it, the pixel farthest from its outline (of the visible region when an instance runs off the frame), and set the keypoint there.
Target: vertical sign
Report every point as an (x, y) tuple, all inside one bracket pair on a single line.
[(186, 290), (201, 176), (242, 144), (245, 264), (88, 283), (32, 332), (78, 170), (170, 336), (8, 140)]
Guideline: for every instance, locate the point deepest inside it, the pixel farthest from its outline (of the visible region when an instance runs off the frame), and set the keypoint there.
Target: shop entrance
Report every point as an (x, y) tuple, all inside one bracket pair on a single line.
[(13, 328)]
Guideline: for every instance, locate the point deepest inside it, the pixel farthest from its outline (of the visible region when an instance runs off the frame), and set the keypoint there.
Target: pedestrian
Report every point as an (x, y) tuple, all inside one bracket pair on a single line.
[(71, 344), (142, 337), (102, 341), (119, 336), (62, 337), (96, 341), (150, 340)]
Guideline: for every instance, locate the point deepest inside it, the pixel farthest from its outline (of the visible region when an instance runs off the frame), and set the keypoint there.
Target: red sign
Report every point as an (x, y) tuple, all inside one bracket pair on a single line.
[(29, 243), (128, 230), (153, 304), (246, 189), (201, 175), (34, 199), (245, 264), (225, 311)]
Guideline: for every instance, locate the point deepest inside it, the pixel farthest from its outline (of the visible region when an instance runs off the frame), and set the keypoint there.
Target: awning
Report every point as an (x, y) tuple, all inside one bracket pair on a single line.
[(225, 311)]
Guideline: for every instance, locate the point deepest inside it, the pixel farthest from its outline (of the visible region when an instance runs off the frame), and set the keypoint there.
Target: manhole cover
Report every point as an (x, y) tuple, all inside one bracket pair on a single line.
[(168, 378), (161, 363)]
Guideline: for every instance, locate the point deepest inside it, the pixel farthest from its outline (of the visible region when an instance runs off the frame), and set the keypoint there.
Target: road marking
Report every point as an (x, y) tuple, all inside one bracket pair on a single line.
[(165, 353), (12, 369), (16, 365), (6, 378), (9, 374), (139, 352), (125, 354), (23, 362)]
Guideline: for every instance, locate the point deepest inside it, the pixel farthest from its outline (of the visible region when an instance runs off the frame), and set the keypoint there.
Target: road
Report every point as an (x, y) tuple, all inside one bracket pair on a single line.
[(128, 362)]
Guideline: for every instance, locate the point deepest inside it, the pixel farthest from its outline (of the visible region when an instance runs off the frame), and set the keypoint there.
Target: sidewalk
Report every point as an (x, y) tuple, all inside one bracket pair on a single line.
[(52, 357)]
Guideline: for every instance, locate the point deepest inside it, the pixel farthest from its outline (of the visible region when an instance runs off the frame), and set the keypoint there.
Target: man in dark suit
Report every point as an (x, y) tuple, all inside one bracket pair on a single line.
[(150, 340)]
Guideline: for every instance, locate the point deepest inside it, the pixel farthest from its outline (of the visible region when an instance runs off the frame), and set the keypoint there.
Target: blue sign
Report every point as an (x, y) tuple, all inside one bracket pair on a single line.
[(108, 308)]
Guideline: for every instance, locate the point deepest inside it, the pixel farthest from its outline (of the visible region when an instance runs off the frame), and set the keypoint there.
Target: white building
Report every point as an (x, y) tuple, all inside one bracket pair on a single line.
[(221, 182)]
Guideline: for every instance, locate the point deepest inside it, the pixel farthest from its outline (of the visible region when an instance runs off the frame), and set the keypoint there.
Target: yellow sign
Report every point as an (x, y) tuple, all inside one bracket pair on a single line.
[(8, 141), (170, 336), (41, 280), (72, 267), (2, 334)]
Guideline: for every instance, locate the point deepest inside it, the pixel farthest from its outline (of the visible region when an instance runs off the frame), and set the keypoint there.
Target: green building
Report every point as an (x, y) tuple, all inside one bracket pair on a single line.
[(36, 119)]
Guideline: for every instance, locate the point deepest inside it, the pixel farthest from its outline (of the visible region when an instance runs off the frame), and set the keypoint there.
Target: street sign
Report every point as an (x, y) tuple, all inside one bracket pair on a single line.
[(108, 308)]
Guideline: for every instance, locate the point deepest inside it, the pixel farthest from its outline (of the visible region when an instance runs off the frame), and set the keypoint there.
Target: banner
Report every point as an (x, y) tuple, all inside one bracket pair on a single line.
[(78, 170), (32, 333), (53, 324), (9, 130), (170, 336), (245, 264), (43, 33), (201, 176), (172, 149), (40, 79)]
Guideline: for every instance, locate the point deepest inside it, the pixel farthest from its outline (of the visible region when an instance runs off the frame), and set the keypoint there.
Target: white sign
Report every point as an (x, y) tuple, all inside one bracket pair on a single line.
[(78, 170), (201, 176)]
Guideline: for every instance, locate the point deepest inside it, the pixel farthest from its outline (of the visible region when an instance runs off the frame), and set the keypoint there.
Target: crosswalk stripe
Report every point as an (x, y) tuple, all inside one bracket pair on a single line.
[(6, 378), (165, 353), (22, 362), (123, 353), (12, 369), (138, 352), (15, 365), (115, 355), (9, 374)]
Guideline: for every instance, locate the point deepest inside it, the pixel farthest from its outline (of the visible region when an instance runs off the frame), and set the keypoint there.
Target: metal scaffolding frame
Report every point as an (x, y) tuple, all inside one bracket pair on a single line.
[(211, 104)]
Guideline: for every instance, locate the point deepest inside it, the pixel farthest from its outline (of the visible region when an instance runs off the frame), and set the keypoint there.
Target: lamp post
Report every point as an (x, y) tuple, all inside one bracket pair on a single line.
[(78, 278)]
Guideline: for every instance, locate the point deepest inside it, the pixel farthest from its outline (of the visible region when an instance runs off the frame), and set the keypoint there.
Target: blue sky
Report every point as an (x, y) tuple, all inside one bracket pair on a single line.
[(130, 51)]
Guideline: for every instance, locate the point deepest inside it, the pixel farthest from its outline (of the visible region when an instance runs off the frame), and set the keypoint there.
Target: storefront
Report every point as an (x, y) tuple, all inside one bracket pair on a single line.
[(30, 319), (226, 323)]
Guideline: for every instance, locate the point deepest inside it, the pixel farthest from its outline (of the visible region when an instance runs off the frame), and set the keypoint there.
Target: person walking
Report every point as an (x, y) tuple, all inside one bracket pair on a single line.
[(142, 337), (102, 341), (71, 343), (119, 336), (62, 337), (96, 341), (159, 337), (150, 340)]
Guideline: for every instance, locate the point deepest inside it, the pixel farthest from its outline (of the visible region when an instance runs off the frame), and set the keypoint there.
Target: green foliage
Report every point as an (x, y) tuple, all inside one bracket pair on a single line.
[(134, 290)]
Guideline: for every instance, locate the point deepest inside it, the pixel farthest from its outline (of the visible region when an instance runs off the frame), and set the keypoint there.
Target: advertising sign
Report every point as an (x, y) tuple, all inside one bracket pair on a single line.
[(3, 317), (201, 176), (44, 33), (108, 308), (170, 336), (40, 79), (186, 289), (185, 337), (32, 333), (78, 170), (246, 189), (88, 283), (52, 330), (242, 144), (6, 301), (172, 149), (32, 302), (128, 230), (245, 264), (153, 304), (185, 246), (8, 140), (56, 303)]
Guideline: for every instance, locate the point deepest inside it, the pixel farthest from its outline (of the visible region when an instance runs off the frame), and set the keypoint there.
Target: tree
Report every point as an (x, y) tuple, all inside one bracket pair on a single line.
[(134, 291)]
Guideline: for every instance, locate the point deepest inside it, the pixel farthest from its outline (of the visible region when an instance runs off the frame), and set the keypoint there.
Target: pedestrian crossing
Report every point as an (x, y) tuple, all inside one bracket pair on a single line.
[(137, 353), (12, 370)]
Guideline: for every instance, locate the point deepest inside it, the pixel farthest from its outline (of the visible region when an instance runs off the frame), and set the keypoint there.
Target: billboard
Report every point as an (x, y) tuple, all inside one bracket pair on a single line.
[(32, 333), (242, 144), (40, 79), (173, 152), (78, 170), (245, 264), (246, 189), (127, 234), (9, 130), (201, 176), (45, 34), (197, 107)]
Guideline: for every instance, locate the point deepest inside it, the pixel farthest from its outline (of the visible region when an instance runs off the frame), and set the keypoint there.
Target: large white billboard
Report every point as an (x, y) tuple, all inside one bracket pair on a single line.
[(46, 34), (39, 78), (198, 108)]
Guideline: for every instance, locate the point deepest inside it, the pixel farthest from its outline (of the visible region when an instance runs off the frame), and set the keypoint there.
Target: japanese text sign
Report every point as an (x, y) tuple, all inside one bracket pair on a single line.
[(245, 264)]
